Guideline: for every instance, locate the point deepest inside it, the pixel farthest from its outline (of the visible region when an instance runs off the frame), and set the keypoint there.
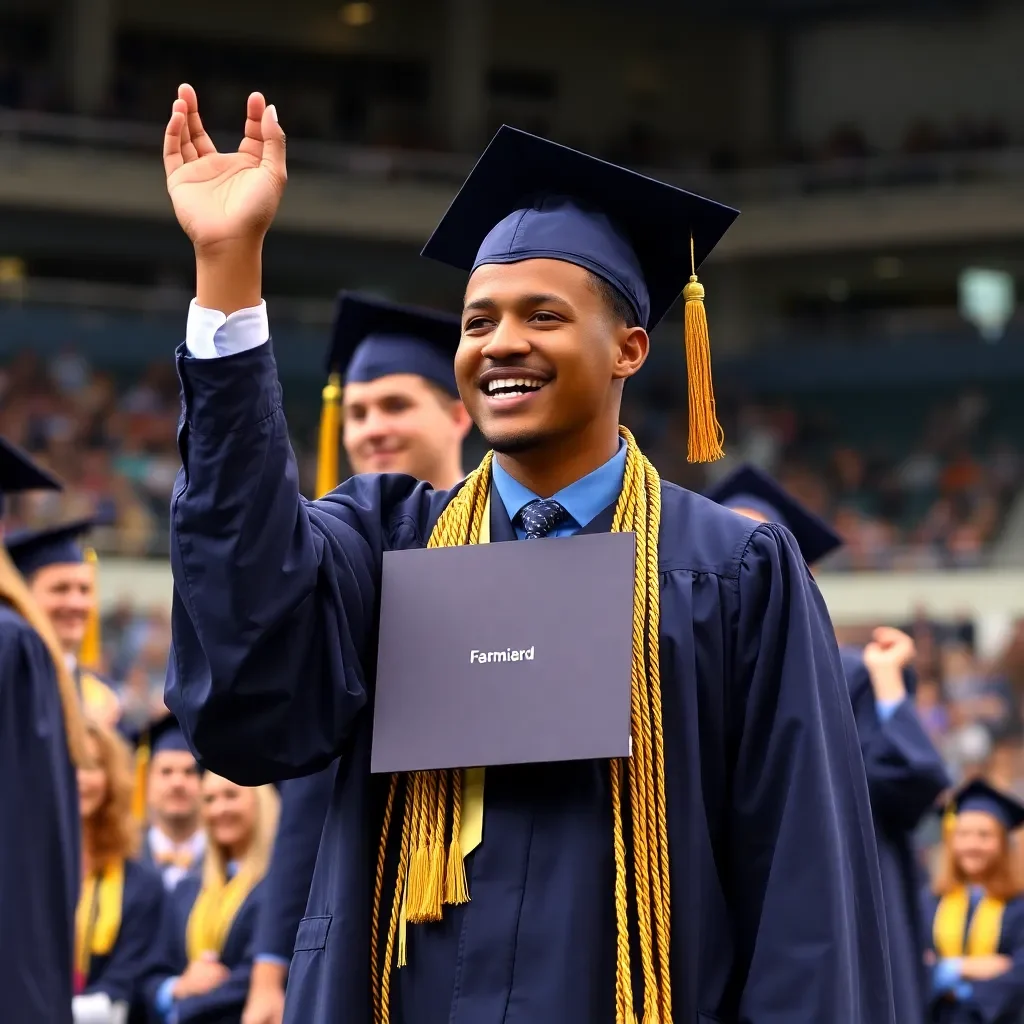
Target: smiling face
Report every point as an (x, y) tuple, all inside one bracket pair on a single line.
[(229, 813), (93, 784), (402, 423), (65, 592), (542, 355), (977, 844)]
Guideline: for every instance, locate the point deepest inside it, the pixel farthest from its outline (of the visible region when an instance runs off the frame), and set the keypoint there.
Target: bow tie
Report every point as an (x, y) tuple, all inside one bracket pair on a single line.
[(174, 858)]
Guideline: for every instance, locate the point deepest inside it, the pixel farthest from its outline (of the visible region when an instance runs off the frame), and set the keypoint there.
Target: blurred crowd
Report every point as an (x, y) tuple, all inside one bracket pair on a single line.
[(934, 498)]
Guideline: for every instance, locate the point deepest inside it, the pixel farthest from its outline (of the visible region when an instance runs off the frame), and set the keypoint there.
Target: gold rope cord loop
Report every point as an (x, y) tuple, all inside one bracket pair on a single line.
[(378, 889)]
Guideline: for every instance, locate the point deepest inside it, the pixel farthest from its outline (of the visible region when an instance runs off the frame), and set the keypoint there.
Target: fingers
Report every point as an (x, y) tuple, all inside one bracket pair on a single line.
[(202, 142), (273, 146), (252, 143), (173, 158)]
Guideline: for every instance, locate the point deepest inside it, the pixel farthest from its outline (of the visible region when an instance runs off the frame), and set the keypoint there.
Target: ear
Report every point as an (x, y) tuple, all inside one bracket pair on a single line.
[(460, 417), (631, 353)]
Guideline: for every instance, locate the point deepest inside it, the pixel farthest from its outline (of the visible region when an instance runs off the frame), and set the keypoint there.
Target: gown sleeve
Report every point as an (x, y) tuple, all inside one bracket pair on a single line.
[(304, 804), (139, 946), (275, 597), (39, 837), (904, 770), (806, 890)]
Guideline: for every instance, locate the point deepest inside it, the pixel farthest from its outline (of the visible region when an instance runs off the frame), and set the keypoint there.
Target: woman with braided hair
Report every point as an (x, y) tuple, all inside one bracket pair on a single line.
[(726, 872)]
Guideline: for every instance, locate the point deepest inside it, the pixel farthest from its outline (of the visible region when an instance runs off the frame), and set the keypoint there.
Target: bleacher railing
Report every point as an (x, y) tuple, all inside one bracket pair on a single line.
[(385, 164)]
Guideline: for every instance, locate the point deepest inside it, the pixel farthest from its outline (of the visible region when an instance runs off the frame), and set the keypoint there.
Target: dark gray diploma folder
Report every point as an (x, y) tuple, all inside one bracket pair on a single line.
[(505, 653)]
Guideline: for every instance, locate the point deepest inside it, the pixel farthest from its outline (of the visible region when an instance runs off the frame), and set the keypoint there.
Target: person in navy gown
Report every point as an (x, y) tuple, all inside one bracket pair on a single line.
[(275, 620), (975, 913), (402, 414), (122, 908), (41, 740), (174, 840), (63, 584), (905, 772), (212, 931)]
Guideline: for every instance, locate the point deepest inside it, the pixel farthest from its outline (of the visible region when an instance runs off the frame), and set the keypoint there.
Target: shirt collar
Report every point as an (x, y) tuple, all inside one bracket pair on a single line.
[(583, 500)]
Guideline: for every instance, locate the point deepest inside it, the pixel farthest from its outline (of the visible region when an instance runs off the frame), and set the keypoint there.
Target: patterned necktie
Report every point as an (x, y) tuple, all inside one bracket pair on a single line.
[(540, 517)]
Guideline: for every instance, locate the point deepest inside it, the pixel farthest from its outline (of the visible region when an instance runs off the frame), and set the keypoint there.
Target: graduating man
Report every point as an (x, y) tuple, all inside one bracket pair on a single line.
[(905, 773), (41, 739), (402, 414), (175, 840), (63, 584), (731, 860)]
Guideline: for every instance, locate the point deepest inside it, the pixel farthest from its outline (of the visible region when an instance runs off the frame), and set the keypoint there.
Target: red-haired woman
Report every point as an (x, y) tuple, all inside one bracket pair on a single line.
[(119, 940), (976, 913)]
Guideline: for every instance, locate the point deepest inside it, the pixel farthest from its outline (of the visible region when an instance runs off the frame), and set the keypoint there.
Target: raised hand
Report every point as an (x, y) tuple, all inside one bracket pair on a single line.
[(889, 652), (224, 200)]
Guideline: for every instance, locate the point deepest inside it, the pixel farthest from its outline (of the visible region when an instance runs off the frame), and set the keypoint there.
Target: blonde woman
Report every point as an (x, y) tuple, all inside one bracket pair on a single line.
[(41, 741), (122, 908), (216, 915), (976, 913)]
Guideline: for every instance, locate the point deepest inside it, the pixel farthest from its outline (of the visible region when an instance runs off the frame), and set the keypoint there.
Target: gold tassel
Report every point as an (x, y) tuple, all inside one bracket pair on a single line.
[(705, 434), (91, 652), (141, 781), (330, 429)]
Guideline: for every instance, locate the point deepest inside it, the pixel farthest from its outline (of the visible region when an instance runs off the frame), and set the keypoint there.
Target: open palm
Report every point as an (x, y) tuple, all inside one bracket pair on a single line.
[(223, 197)]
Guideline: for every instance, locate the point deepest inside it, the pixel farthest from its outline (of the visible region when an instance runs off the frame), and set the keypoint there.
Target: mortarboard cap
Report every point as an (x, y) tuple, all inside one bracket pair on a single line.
[(18, 472), (32, 550), (980, 796), (750, 487), (166, 735), (528, 198), (373, 338)]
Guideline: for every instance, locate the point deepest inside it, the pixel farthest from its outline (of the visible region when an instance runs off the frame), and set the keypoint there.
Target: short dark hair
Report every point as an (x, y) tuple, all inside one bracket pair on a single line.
[(618, 305)]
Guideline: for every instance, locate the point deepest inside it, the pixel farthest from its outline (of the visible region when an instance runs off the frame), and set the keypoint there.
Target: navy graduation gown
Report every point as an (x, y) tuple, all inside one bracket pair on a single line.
[(998, 1001), (39, 832), (775, 890), (304, 804), (905, 777), (224, 1004), (138, 953)]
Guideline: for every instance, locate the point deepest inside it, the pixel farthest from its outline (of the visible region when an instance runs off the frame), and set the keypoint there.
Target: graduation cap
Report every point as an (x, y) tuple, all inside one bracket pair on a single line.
[(750, 487), (528, 198), (373, 338), (157, 737), (980, 796), (18, 472), (34, 549)]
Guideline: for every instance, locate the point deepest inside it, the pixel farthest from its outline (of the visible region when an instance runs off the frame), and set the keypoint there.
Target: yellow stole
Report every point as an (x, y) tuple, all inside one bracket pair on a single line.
[(214, 913), (951, 922), (98, 915)]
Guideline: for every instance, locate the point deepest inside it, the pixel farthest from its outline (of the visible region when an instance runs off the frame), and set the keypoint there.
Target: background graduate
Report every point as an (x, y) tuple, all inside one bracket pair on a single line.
[(976, 914), (402, 414), (41, 740), (745, 792), (905, 772), (174, 839), (63, 584), (214, 921), (122, 908)]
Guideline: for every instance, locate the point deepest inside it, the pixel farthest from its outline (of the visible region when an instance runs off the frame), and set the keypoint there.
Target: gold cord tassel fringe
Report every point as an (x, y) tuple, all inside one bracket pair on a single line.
[(328, 451), (705, 433), (428, 877)]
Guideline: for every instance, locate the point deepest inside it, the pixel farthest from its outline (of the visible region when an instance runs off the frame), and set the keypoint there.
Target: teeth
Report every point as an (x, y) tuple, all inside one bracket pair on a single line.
[(512, 382)]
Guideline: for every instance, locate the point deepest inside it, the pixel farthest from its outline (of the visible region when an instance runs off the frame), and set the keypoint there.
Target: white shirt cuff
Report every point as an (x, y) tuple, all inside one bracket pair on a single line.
[(209, 334)]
